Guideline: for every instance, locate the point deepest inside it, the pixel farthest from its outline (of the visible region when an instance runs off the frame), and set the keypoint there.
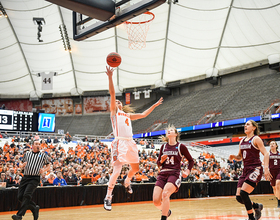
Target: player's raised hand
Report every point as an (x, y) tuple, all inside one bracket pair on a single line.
[(109, 71), (163, 158), (159, 102)]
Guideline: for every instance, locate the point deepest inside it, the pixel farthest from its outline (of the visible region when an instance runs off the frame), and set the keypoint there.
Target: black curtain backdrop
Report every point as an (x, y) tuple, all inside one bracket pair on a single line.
[(51, 197)]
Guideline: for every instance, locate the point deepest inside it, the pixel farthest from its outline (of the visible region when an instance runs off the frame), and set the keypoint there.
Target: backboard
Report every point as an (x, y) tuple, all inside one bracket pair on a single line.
[(85, 26)]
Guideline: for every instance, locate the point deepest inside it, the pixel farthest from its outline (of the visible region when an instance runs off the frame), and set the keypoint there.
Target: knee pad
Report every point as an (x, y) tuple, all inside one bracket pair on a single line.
[(239, 199), (247, 202)]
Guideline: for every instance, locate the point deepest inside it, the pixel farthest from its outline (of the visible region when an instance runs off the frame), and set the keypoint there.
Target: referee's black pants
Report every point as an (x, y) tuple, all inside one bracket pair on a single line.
[(26, 189)]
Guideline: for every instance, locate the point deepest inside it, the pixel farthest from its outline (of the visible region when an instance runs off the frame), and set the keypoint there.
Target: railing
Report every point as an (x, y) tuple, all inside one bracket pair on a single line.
[(24, 134), (216, 151)]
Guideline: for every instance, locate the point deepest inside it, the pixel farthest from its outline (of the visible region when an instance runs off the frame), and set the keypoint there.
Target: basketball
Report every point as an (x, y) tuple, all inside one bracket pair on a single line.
[(114, 59)]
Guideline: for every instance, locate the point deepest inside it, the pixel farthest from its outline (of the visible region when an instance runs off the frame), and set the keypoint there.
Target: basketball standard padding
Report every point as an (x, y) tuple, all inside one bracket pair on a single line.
[(100, 9), (114, 59)]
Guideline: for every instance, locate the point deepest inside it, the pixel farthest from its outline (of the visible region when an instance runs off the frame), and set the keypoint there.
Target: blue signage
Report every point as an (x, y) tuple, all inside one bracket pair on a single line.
[(46, 122), (207, 126)]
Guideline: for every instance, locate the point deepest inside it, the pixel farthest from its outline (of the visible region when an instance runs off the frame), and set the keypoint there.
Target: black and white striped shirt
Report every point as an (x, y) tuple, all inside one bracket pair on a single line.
[(35, 162)]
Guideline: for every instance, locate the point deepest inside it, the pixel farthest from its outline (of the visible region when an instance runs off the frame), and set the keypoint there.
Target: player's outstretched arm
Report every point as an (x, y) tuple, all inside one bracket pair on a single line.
[(147, 112), (109, 72)]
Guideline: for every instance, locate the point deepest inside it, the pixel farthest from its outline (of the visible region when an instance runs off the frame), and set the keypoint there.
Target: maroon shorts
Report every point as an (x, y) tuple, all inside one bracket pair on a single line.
[(169, 176), (252, 174), (275, 176)]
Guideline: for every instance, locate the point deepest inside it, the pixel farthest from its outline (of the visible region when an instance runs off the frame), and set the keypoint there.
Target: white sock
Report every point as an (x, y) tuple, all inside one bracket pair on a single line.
[(109, 193)]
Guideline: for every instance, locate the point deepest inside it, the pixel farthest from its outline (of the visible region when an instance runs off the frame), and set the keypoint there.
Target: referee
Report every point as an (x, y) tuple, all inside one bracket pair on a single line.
[(33, 162)]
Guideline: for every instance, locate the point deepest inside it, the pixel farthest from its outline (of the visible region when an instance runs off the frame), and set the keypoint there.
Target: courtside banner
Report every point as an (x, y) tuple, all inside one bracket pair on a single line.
[(127, 98)]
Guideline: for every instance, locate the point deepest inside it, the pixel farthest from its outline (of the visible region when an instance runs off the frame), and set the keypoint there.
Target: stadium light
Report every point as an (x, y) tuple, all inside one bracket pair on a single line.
[(274, 61)]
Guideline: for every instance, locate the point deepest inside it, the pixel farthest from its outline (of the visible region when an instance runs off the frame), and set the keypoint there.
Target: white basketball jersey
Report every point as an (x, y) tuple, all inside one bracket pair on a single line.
[(121, 124)]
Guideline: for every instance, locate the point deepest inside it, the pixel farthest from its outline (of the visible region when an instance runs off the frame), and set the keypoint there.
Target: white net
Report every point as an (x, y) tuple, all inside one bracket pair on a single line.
[(137, 30)]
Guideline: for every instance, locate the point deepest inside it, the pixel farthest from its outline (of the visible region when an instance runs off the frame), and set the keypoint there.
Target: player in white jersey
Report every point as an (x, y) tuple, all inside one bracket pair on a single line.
[(124, 149)]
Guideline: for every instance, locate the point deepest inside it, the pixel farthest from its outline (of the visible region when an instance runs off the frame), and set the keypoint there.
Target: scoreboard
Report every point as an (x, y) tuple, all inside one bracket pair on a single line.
[(18, 120), (6, 120), (23, 121)]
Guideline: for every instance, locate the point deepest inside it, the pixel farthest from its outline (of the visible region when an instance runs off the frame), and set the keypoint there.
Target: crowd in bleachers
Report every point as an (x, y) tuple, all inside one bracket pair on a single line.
[(89, 163)]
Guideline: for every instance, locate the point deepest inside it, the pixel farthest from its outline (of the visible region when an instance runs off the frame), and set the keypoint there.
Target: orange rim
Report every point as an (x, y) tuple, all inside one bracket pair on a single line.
[(142, 22)]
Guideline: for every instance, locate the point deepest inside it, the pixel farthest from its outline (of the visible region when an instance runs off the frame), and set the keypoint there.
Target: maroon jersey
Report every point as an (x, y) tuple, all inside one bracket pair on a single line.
[(174, 155), (250, 153), (274, 161)]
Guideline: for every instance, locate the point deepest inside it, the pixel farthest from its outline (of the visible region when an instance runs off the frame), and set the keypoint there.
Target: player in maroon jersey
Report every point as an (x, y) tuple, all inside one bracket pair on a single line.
[(249, 151), (274, 167), (169, 178)]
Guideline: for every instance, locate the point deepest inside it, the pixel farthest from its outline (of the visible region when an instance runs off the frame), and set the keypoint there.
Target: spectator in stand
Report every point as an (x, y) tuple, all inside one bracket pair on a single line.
[(70, 179), (51, 178), (123, 175), (16, 181), (18, 139), (44, 179), (3, 180), (214, 176), (36, 137), (49, 140), (201, 157), (43, 144), (203, 176), (233, 175), (5, 135), (104, 179), (26, 139), (12, 173), (1, 136), (31, 141), (142, 142), (64, 173), (59, 181), (6, 147), (68, 137), (85, 139), (226, 176), (55, 141), (79, 178), (152, 176)]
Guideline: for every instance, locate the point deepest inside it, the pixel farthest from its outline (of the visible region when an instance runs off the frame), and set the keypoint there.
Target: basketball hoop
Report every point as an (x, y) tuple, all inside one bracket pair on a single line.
[(137, 30)]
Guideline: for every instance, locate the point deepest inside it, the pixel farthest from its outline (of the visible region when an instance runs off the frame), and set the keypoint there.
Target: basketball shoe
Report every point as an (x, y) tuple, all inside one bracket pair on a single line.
[(36, 212), (258, 211), (169, 213), (108, 203), (16, 217), (128, 188)]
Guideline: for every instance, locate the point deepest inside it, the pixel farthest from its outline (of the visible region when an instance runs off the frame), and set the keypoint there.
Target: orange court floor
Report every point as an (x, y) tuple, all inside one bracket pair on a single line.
[(219, 208)]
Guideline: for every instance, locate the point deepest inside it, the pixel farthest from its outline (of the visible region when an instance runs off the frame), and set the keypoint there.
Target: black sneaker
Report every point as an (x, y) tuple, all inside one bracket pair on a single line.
[(16, 217), (258, 211), (169, 213), (36, 212), (108, 204), (128, 188)]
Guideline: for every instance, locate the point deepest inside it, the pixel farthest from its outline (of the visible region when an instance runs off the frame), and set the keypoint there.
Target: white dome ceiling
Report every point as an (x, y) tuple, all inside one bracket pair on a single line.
[(224, 35)]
